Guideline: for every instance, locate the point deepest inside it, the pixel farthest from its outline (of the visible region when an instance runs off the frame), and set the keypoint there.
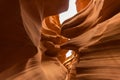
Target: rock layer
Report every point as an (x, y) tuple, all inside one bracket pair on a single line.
[(21, 57), (95, 36)]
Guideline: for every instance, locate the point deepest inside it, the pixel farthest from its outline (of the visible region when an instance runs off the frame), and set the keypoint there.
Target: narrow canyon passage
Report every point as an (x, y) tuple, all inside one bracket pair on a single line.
[(60, 40)]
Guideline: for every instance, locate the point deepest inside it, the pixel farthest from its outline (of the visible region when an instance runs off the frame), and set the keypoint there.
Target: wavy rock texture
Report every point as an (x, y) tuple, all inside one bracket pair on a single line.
[(21, 56), (95, 36), (30, 39)]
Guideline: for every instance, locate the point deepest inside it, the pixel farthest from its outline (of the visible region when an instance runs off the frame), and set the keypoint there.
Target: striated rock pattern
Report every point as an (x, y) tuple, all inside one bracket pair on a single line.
[(21, 56), (32, 46), (95, 36), (50, 36)]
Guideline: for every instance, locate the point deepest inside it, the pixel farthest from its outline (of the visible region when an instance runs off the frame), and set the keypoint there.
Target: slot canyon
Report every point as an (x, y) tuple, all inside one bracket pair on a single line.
[(37, 43)]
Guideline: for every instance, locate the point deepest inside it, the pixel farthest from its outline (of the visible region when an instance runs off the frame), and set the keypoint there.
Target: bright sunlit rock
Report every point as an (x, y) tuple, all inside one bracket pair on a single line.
[(65, 15), (69, 53), (71, 11)]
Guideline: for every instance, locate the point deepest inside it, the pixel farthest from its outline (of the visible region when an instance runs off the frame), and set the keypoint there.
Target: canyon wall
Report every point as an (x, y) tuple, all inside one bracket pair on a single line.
[(33, 42)]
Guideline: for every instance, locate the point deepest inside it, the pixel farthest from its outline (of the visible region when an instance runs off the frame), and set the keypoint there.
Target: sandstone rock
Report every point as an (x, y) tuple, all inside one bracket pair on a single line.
[(20, 54), (95, 36)]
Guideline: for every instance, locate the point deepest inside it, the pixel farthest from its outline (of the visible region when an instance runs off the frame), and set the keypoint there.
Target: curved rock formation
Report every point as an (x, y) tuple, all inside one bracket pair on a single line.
[(20, 54), (32, 46), (95, 36)]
